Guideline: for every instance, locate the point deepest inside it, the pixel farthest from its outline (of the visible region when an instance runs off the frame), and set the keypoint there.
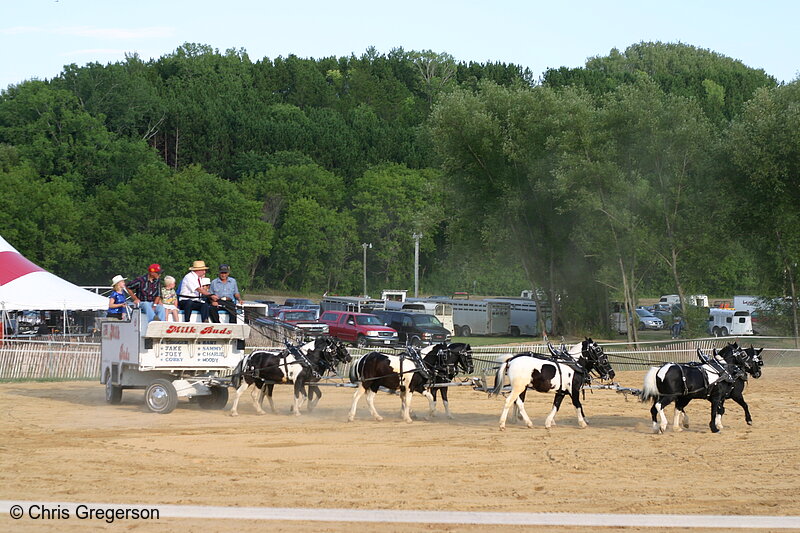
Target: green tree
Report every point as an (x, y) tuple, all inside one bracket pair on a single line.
[(764, 149), (390, 203)]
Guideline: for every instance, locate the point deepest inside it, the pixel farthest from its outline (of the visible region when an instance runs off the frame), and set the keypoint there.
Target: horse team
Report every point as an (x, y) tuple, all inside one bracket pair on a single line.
[(564, 372)]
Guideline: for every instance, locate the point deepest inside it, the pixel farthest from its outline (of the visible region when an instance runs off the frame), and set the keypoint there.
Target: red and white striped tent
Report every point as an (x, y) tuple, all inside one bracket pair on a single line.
[(25, 286)]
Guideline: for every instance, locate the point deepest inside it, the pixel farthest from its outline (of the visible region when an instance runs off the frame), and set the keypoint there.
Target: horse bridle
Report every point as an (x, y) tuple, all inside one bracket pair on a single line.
[(599, 358)]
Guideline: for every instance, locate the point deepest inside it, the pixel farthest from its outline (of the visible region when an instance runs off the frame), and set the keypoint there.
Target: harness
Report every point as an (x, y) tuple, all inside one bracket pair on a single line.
[(558, 360)]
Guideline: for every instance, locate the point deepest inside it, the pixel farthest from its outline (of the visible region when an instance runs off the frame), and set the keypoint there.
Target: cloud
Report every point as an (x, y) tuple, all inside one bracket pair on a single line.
[(151, 32)]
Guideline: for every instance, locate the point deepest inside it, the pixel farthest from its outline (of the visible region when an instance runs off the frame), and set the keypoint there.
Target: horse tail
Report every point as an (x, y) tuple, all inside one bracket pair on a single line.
[(498, 378), (650, 388), (236, 378)]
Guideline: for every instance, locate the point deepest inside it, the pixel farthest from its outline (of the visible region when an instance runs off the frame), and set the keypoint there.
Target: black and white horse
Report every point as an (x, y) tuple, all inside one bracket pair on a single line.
[(752, 362), (565, 372), (724, 375), (304, 365), (410, 372), (444, 361)]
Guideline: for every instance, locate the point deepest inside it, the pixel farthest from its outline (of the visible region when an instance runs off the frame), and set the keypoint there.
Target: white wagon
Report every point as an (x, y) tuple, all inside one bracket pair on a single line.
[(170, 360)]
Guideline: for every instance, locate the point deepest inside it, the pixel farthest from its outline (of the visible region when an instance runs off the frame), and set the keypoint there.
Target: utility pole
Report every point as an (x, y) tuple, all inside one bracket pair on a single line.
[(365, 245), (417, 237)]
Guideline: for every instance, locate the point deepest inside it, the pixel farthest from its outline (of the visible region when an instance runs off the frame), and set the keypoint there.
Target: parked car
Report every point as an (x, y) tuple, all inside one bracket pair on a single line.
[(648, 320), (302, 303), (417, 329), (666, 312), (305, 319), (361, 329)]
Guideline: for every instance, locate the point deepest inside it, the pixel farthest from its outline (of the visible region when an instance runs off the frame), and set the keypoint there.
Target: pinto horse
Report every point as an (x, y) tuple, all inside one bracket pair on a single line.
[(564, 373), (724, 375), (301, 366), (444, 361), (405, 371)]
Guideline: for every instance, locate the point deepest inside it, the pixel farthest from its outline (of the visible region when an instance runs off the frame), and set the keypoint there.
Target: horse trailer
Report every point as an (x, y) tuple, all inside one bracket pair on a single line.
[(353, 304), (724, 322), (524, 319), (170, 360), (478, 317)]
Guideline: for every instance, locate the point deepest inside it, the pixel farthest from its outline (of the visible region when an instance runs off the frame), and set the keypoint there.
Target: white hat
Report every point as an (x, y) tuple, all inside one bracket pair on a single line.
[(204, 282), (116, 280)]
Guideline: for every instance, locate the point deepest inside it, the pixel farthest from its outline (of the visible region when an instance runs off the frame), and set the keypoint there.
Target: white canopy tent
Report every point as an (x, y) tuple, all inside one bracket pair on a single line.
[(25, 286)]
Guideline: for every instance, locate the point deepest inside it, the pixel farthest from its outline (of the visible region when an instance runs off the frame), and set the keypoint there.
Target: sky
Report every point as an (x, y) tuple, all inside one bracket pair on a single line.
[(39, 37)]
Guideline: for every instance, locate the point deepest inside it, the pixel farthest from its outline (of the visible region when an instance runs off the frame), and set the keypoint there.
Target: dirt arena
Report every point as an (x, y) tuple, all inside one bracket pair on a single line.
[(62, 442)]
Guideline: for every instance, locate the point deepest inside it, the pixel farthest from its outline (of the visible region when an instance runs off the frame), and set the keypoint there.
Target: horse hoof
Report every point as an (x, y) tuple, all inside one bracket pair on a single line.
[(677, 429), (233, 413), (350, 418), (378, 418), (529, 425), (450, 417), (502, 428), (749, 422)]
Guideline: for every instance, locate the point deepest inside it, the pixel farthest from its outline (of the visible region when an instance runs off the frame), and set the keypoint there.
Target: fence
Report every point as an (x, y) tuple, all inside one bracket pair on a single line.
[(28, 359), (65, 360)]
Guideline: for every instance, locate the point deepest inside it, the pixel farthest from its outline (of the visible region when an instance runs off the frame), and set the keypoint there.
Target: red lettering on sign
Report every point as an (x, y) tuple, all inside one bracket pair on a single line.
[(110, 332), (219, 331), (180, 329), (124, 354)]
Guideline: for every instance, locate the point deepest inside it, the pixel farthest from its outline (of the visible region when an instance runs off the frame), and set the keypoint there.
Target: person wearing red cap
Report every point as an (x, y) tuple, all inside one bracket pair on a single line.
[(146, 293)]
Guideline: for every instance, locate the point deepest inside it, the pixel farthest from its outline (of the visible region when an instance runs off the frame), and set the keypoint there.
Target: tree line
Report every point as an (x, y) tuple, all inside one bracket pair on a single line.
[(664, 168)]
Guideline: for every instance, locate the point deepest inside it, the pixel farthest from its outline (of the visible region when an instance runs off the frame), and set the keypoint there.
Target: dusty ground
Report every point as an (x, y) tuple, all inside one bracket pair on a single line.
[(61, 442)]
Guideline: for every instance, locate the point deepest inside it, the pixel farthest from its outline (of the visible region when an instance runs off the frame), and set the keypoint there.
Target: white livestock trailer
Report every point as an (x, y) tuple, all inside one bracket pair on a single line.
[(523, 319), (170, 360), (478, 317), (724, 322)]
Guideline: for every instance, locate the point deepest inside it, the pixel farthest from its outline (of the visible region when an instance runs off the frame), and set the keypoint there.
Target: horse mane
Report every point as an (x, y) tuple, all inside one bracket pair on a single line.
[(576, 350)]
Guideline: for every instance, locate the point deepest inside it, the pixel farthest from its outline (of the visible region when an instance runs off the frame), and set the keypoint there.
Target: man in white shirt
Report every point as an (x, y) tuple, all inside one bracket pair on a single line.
[(193, 296)]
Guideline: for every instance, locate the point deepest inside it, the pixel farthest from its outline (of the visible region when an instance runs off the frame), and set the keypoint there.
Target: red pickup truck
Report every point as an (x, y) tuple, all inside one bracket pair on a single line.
[(361, 329)]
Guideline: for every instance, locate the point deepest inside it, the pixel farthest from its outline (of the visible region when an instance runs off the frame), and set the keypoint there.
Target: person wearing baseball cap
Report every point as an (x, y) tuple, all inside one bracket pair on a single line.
[(146, 293), (225, 292)]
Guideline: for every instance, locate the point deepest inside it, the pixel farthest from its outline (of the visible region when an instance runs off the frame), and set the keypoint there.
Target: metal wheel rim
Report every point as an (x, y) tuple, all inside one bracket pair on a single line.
[(157, 398)]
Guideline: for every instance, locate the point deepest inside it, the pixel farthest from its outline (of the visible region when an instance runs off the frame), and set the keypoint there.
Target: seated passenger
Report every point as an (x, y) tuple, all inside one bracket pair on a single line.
[(169, 298), (193, 296), (117, 307)]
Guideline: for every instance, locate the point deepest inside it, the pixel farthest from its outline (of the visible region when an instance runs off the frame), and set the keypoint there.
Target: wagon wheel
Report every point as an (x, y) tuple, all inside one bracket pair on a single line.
[(113, 392), (218, 398), (161, 396)]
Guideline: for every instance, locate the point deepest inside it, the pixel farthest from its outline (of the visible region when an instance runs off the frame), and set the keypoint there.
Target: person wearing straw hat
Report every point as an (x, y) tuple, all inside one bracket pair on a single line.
[(193, 296), (116, 300)]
